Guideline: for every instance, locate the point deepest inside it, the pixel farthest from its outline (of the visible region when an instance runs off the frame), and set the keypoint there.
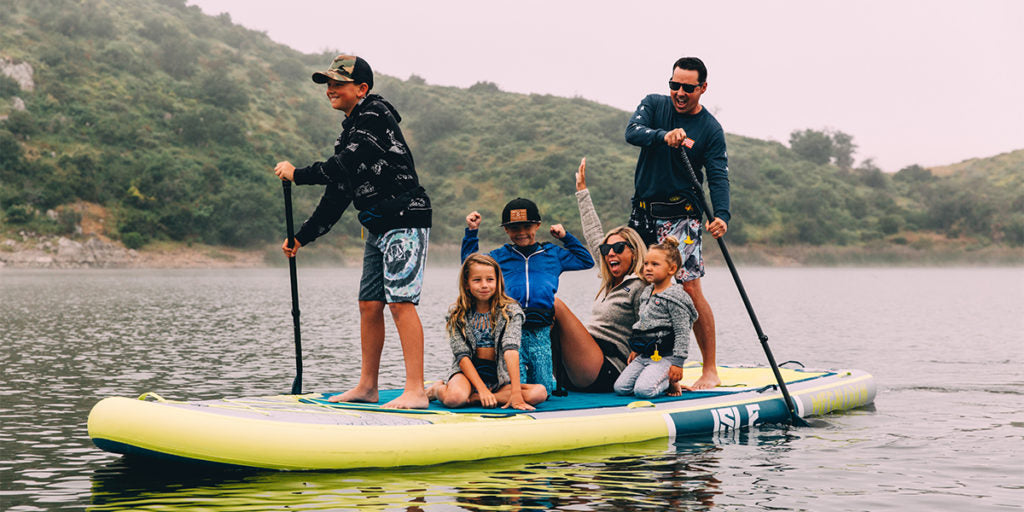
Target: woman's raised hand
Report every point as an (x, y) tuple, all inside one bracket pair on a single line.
[(581, 175)]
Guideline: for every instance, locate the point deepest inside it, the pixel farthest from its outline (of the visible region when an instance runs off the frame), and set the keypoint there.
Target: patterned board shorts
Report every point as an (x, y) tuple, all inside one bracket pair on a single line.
[(685, 229), (393, 265)]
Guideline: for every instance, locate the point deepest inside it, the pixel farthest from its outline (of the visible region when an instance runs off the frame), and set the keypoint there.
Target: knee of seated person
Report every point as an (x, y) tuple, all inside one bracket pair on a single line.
[(537, 395), (454, 400), (645, 392)]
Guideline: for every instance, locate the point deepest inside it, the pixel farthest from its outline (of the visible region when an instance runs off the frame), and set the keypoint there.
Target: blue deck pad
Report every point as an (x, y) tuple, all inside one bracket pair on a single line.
[(575, 400)]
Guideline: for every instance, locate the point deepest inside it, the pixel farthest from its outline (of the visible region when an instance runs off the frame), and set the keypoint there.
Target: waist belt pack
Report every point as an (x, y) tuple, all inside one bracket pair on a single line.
[(645, 344), (673, 208)]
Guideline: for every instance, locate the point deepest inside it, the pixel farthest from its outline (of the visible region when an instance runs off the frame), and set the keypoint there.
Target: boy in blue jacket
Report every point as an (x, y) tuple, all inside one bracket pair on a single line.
[(531, 271)]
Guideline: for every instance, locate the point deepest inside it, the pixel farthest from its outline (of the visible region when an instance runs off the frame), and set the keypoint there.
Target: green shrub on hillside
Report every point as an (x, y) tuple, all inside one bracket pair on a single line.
[(1013, 229), (173, 119), (8, 86), (133, 240), (19, 214)]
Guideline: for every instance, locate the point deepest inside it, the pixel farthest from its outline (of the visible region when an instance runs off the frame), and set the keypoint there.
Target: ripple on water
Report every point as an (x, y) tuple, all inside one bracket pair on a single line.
[(945, 432)]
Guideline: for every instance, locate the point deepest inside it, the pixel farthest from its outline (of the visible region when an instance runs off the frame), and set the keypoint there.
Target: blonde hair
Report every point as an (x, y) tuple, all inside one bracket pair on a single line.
[(639, 252), (466, 302), (669, 246)]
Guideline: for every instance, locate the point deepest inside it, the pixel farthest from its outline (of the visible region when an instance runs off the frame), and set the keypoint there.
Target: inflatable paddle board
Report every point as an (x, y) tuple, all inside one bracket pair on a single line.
[(306, 432)]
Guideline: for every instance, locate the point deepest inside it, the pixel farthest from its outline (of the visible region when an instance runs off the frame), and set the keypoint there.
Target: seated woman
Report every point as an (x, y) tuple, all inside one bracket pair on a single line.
[(594, 355)]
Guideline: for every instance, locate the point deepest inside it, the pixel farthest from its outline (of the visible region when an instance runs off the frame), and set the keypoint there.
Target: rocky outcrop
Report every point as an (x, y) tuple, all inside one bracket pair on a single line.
[(54, 252), (21, 72), (89, 250)]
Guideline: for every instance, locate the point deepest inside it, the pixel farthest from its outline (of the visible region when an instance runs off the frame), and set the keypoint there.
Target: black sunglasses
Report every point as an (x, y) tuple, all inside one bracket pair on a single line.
[(617, 247), (686, 87)]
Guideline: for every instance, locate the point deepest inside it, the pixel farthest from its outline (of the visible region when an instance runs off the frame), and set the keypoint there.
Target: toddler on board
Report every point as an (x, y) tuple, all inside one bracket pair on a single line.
[(661, 336), (484, 327), (531, 270)]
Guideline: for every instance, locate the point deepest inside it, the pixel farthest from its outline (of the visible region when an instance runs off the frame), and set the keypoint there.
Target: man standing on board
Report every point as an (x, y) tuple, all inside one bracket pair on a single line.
[(665, 201), (372, 169)]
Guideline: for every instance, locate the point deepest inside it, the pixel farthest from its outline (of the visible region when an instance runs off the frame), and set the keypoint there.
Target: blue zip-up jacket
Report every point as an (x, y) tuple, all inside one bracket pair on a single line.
[(533, 280), (660, 173)]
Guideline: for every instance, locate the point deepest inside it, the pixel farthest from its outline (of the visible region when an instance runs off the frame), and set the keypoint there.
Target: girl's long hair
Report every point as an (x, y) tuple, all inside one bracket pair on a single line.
[(466, 302), (639, 252)]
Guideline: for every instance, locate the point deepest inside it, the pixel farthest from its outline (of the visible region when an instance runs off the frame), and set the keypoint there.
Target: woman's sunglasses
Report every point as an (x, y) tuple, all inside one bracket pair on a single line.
[(617, 247), (688, 88)]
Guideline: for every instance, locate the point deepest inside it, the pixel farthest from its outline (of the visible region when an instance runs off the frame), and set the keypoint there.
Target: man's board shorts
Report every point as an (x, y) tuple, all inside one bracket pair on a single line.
[(685, 229), (393, 265)]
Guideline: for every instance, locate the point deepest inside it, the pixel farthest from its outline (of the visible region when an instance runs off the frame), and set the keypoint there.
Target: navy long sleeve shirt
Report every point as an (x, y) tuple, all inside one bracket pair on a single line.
[(660, 173)]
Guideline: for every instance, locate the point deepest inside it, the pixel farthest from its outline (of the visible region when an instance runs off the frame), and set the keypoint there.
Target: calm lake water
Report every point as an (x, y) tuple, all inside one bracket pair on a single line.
[(946, 431)]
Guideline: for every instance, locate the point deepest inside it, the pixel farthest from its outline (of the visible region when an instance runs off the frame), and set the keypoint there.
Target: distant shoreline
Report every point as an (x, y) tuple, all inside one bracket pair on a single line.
[(54, 252)]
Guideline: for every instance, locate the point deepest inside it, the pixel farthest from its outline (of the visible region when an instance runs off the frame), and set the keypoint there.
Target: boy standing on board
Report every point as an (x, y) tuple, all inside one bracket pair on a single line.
[(373, 170)]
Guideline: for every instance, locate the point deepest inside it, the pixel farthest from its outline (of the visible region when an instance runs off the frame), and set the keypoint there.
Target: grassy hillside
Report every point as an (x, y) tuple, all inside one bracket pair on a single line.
[(1006, 166), (171, 120)]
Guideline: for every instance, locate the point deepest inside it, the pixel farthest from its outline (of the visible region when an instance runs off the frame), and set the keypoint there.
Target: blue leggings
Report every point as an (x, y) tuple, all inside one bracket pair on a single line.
[(535, 357)]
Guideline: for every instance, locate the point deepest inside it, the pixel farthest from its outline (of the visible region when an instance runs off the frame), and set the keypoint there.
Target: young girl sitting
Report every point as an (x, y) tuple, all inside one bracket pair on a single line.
[(661, 337), (482, 325)]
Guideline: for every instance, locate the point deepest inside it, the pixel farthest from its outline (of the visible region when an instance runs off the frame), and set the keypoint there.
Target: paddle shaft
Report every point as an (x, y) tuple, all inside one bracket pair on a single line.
[(297, 383), (743, 293)]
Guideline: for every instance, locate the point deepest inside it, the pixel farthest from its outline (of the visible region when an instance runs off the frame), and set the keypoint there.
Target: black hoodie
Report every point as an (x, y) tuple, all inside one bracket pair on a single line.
[(371, 168)]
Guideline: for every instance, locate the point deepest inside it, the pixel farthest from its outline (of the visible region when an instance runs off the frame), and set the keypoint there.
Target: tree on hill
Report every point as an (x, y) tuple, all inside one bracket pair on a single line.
[(824, 146), (160, 127), (914, 174)]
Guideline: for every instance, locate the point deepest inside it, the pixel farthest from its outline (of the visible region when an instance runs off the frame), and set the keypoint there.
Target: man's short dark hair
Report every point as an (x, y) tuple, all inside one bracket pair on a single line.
[(692, 64)]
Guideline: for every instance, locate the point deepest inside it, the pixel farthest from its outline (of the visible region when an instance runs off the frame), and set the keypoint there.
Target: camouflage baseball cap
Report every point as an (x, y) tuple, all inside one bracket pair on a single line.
[(347, 68)]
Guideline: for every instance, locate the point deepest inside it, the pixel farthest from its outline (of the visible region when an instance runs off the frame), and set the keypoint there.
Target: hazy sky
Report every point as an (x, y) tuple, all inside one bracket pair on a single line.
[(929, 82)]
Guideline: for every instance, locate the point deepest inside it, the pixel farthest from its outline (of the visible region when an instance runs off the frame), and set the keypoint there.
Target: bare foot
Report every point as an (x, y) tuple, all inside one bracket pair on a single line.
[(409, 400), (708, 379), (356, 395), (434, 390)]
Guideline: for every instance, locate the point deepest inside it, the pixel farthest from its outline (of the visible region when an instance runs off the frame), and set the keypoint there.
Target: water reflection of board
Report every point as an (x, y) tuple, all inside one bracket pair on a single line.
[(300, 432)]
